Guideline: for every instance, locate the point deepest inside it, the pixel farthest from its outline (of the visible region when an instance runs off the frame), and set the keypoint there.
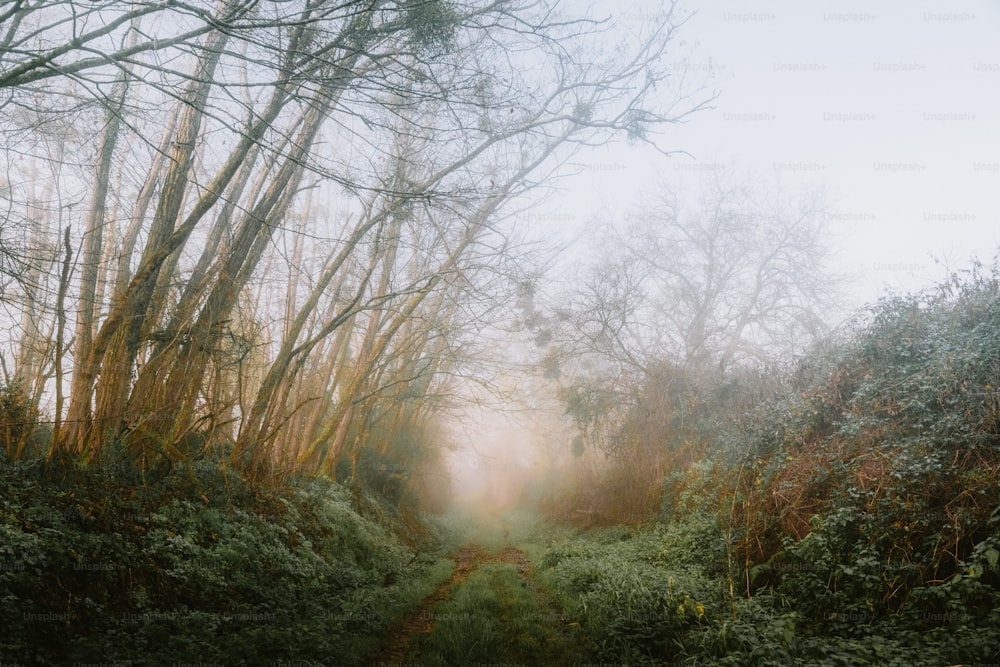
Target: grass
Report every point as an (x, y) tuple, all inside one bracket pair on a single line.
[(498, 616), (379, 608)]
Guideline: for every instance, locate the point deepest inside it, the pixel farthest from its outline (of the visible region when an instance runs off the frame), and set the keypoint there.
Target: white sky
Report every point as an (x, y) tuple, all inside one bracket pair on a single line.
[(893, 108)]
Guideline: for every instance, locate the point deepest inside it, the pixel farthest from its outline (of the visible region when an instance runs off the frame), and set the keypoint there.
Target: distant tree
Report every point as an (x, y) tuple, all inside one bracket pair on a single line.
[(740, 279), (681, 318)]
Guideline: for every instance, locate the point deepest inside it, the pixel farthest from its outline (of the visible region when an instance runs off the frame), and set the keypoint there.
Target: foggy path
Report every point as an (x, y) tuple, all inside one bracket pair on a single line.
[(412, 638), (455, 332)]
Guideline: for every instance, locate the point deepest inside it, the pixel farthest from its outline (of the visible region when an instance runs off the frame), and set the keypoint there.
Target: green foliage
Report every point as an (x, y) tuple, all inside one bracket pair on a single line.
[(640, 596), (852, 519), (648, 600), (199, 568), (900, 438), (872, 508)]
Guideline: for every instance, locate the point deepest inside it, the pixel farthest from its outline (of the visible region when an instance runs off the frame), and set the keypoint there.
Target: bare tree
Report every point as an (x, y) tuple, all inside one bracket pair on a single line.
[(689, 294), (421, 119), (740, 278)]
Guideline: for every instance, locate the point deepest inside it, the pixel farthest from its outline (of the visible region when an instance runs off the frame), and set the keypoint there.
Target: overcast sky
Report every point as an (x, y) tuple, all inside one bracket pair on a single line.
[(892, 107)]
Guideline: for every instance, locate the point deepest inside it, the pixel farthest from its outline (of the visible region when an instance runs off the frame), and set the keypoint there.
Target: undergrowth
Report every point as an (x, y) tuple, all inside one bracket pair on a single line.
[(851, 519), (97, 567), (497, 616)]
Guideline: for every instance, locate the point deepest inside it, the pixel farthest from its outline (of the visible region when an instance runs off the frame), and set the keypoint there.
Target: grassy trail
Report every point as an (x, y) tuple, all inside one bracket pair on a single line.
[(418, 621), (490, 610)]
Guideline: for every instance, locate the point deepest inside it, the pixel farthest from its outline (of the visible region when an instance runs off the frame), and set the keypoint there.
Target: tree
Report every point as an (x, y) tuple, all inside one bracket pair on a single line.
[(739, 280), (681, 320), (382, 142)]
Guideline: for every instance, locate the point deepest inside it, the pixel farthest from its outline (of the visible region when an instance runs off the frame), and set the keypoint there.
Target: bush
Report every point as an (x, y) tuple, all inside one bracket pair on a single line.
[(854, 519), (636, 602), (197, 568)]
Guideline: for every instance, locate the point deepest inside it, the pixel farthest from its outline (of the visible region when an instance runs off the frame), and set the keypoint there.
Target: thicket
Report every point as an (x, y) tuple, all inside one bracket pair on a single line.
[(852, 518), (97, 565)]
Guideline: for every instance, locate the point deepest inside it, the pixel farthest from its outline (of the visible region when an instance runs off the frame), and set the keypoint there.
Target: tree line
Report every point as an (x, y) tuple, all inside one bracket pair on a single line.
[(273, 227)]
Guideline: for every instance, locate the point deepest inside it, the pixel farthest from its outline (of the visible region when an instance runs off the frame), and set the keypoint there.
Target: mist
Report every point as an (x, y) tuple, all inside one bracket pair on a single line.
[(454, 332)]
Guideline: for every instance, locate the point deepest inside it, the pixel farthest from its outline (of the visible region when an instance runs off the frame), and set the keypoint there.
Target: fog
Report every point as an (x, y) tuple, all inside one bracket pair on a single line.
[(891, 113), (479, 332), (501, 448), (892, 109)]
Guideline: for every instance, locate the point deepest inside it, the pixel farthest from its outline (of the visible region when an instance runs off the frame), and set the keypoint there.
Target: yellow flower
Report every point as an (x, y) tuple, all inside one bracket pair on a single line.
[(700, 609)]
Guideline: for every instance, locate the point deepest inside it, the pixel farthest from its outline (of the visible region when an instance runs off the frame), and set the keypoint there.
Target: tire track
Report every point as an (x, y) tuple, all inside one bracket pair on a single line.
[(468, 559)]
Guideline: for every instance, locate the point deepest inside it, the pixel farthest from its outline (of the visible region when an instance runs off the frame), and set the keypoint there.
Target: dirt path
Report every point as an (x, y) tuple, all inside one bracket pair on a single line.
[(468, 559)]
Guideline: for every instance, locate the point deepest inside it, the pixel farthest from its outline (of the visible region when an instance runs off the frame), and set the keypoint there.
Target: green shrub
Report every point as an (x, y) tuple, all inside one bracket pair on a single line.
[(194, 568), (643, 599)]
